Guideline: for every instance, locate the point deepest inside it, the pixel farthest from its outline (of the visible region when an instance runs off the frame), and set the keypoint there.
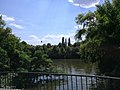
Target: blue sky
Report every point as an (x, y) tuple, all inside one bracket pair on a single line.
[(44, 20)]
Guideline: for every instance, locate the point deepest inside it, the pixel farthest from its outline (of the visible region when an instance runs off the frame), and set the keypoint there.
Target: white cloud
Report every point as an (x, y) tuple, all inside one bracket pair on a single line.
[(6, 18), (70, 1), (34, 37), (84, 3), (50, 38), (16, 25), (11, 21), (34, 40)]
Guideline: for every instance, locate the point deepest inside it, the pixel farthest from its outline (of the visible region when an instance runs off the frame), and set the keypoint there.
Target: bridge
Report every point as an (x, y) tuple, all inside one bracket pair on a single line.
[(52, 81)]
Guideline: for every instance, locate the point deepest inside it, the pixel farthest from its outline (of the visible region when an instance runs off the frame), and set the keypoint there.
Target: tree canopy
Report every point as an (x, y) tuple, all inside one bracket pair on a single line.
[(20, 56), (101, 29)]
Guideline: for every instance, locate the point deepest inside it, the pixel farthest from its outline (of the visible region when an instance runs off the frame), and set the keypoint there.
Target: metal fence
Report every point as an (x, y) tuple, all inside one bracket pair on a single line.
[(47, 81)]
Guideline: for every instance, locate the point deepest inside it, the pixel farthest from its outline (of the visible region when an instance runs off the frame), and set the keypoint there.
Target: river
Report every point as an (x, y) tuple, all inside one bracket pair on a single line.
[(74, 66), (69, 66)]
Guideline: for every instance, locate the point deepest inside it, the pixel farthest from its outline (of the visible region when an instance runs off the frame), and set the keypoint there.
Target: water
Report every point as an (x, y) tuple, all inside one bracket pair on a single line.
[(70, 66), (74, 66)]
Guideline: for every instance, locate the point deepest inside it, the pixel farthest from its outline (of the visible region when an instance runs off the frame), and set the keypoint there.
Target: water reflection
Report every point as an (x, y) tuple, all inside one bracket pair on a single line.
[(70, 66), (74, 66)]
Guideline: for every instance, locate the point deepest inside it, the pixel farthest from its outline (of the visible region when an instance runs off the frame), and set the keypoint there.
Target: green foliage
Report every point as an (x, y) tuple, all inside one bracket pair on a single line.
[(4, 60), (20, 56), (101, 30), (64, 52)]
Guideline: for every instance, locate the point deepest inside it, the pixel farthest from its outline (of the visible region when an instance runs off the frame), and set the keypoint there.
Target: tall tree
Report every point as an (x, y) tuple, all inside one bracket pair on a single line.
[(63, 41), (69, 42), (101, 30)]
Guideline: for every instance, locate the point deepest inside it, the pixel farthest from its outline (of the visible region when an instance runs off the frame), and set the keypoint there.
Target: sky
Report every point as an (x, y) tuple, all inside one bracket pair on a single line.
[(48, 21)]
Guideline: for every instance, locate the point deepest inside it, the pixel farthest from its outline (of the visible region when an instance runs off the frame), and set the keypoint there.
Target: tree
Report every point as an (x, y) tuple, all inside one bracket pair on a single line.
[(63, 52), (4, 60), (68, 54), (60, 45), (69, 42), (101, 30), (63, 40), (20, 56), (116, 4), (48, 45)]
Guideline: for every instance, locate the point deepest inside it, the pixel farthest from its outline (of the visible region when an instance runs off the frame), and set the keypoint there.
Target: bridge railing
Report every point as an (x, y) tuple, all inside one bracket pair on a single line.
[(49, 81)]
